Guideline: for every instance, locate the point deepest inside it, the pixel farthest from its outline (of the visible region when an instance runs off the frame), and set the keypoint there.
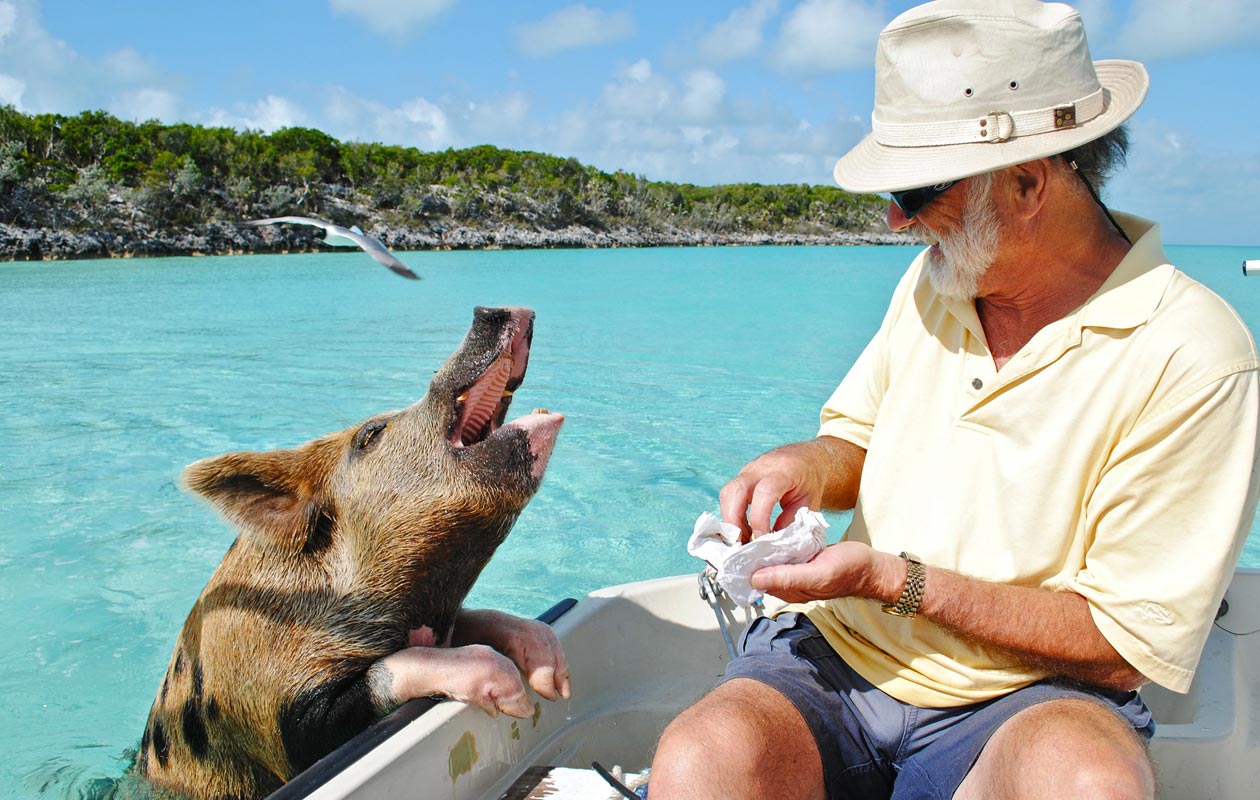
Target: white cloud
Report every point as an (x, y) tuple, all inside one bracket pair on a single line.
[(823, 35), (709, 146), (740, 34), (703, 94), (53, 76), (145, 104), (775, 149), (11, 91), (47, 75), (1168, 28), (8, 20), (502, 119), (574, 27), (267, 115), (415, 123), (127, 65), (640, 71), (1097, 16), (1195, 182), (391, 17), (638, 93), (690, 128)]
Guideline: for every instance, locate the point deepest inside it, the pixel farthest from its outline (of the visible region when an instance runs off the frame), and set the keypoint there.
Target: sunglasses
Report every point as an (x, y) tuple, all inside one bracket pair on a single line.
[(912, 201)]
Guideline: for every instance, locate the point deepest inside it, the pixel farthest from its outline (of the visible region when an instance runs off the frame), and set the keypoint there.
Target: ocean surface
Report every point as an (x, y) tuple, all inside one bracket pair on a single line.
[(673, 368)]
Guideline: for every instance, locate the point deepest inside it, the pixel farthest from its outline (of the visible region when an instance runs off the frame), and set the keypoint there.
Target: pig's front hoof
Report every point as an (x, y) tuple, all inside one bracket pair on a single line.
[(476, 674), (490, 682), (531, 645)]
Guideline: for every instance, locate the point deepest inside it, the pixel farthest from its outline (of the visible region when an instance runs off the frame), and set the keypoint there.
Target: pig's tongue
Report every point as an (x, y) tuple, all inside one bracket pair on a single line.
[(484, 397)]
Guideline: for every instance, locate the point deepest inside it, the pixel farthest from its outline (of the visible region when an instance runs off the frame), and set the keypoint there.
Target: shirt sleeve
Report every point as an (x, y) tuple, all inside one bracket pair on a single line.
[(851, 410), (1169, 517)]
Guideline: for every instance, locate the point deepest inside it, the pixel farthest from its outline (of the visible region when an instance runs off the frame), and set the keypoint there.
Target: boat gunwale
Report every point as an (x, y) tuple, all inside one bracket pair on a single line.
[(330, 766)]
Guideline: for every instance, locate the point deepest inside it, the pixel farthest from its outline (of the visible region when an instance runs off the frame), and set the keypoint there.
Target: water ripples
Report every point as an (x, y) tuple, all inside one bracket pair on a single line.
[(672, 367)]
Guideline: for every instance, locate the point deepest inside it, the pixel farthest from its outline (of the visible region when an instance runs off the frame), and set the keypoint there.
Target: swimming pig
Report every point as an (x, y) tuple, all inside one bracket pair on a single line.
[(341, 597)]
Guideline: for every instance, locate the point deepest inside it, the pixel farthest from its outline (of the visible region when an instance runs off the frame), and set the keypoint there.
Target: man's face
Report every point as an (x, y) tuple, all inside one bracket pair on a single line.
[(963, 232)]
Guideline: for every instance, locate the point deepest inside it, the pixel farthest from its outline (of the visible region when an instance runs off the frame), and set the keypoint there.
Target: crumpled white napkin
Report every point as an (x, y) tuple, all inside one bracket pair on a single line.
[(717, 542)]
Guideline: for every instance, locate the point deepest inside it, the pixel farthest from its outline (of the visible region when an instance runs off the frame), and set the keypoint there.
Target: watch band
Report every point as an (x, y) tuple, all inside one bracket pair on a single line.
[(908, 604)]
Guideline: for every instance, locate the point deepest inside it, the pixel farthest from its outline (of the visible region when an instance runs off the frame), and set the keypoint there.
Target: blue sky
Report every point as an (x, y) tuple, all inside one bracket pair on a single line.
[(771, 91)]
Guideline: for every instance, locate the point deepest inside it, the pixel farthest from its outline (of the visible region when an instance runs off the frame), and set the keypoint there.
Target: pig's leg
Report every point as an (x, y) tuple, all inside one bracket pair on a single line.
[(320, 720), (474, 674), (530, 644)]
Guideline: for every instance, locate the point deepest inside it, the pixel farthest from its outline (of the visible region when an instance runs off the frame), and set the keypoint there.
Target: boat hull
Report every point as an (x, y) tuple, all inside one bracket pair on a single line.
[(641, 652)]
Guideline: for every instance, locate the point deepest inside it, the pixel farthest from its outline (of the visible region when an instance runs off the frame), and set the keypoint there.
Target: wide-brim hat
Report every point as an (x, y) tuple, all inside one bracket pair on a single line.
[(964, 87)]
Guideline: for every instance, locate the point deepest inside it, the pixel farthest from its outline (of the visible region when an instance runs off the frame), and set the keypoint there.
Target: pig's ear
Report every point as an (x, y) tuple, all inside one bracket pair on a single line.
[(277, 497)]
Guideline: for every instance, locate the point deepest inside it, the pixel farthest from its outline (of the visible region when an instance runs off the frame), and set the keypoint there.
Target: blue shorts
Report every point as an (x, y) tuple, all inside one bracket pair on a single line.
[(874, 746)]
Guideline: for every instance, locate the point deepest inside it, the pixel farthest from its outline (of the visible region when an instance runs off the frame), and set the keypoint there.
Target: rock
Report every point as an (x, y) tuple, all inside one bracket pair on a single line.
[(222, 238)]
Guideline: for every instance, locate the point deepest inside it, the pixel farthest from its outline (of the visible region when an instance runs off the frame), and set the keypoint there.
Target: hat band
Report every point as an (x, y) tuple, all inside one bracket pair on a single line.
[(996, 126)]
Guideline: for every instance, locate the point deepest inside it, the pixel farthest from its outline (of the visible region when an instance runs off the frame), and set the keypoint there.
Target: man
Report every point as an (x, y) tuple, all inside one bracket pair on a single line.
[(1060, 426)]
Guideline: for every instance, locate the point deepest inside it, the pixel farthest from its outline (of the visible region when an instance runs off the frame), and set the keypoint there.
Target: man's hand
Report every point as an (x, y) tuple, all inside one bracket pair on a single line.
[(847, 569), (781, 477), (820, 473)]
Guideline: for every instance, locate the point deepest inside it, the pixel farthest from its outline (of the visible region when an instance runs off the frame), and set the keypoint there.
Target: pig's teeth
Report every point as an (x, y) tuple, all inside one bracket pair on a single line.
[(463, 398), (541, 411), (506, 394)]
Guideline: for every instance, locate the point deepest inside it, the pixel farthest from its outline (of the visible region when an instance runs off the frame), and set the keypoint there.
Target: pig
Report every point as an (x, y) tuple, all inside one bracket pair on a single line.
[(341, 597)]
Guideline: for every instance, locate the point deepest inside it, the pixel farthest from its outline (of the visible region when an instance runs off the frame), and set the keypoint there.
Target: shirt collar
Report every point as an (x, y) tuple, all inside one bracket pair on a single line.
[(1124, 301), (1133, 290)]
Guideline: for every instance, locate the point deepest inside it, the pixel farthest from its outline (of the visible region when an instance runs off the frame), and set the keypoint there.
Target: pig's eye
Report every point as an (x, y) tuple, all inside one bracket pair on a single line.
[(369, 435)]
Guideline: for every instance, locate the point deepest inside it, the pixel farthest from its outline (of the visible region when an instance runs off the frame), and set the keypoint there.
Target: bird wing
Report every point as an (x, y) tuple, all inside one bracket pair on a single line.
[(372, 247), (318, 223), (377, 250)]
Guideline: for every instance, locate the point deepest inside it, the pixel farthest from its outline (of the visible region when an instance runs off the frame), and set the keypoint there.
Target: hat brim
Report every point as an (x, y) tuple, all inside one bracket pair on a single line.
[(874, 167)]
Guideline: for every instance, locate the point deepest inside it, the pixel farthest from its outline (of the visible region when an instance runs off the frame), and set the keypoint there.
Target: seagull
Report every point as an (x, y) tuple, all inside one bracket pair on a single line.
[(337, 236)]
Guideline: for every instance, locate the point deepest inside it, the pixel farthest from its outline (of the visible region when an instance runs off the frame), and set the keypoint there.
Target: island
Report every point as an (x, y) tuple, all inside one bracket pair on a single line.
[(95, 186)]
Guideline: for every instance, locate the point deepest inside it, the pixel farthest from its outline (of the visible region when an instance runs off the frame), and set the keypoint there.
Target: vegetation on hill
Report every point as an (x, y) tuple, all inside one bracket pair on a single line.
[(96, 173)]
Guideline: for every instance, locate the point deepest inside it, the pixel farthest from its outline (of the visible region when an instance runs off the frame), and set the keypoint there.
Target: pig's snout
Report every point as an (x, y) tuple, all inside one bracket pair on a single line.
[(541, 427)]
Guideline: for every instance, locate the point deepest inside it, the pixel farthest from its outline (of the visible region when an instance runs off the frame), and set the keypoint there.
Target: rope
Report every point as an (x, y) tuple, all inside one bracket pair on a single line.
[(709, 591)]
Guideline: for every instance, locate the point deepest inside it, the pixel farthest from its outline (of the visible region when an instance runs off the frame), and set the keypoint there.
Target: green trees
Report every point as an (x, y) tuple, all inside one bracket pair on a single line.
[(94, 171)]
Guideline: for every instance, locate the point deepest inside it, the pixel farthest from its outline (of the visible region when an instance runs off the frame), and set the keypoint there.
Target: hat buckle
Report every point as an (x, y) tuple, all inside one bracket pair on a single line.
[(1003, 126)]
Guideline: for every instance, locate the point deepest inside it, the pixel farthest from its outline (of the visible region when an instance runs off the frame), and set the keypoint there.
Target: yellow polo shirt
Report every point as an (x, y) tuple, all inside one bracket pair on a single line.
[(1115, 456)]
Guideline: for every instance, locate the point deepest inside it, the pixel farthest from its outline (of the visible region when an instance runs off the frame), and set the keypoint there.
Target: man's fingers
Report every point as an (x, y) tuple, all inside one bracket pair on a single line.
[(784, 582), (733, 502), (790, 582), (767, 494), (788, 515), (766, 579)]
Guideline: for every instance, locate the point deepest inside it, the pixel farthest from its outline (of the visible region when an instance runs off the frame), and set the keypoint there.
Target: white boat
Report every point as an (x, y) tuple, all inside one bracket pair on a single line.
[(641, 652)]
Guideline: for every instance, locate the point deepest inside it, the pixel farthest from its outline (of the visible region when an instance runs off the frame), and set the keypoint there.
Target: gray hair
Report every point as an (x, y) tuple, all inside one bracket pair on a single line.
[(1096, 160)]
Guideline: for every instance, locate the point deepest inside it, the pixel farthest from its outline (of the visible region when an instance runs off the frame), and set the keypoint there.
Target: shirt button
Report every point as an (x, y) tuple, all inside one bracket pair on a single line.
[(976, 383)]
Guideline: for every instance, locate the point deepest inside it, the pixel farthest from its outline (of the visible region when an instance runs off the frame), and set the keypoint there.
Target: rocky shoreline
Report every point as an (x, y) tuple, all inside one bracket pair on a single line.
[(48, 244)]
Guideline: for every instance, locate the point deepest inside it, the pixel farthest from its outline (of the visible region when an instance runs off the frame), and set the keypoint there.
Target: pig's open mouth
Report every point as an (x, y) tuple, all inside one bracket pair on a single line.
[(481, 407)]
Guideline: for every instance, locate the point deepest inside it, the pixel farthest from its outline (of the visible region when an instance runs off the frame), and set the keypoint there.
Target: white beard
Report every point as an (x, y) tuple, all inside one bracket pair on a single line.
[(965, 255)]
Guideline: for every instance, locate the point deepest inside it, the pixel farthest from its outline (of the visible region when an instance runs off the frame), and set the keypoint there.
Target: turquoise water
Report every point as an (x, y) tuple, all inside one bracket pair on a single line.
[(673, 367)]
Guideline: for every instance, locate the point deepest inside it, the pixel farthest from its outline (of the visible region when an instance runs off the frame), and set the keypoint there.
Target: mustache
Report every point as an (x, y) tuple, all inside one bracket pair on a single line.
[(925, 236)]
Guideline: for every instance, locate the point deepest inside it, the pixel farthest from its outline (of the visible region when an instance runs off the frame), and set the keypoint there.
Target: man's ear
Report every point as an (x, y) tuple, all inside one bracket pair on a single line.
[(278, 498), (1028, 184)]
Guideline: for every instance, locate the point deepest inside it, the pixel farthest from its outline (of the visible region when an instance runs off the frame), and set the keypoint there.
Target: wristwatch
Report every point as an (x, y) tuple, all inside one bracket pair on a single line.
[(908, 604)]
